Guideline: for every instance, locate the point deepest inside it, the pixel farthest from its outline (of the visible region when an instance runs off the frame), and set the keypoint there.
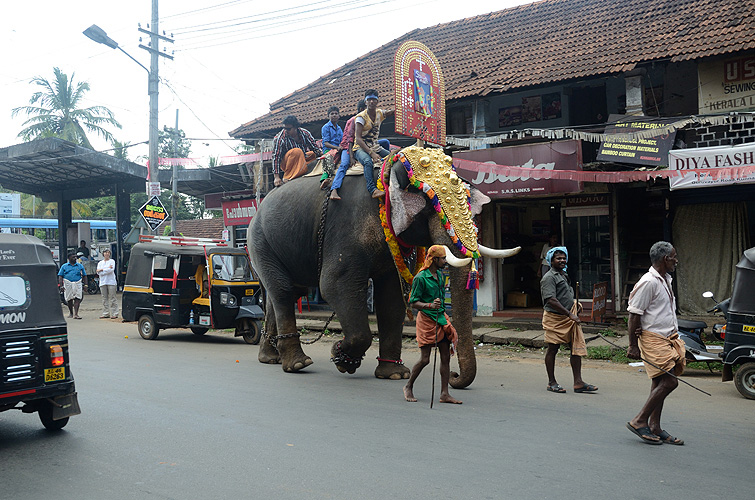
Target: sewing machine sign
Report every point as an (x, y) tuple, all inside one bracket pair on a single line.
[(420, 94), (599, 292)]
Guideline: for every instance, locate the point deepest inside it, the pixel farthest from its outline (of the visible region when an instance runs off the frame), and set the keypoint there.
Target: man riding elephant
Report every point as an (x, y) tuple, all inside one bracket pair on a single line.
[(298, 240)]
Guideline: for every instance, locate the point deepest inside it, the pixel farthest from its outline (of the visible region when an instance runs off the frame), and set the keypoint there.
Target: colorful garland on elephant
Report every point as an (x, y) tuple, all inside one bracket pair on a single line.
[(430, 193)]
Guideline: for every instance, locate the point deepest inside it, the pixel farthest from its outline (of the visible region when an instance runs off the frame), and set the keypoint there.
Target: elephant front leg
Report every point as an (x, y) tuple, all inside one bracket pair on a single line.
[(390, 311)]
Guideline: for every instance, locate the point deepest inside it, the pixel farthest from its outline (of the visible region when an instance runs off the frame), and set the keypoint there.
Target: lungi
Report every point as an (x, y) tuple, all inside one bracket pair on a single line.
[(426, 331), (665, 352), (562, 330), (294, 163), (73, 289)]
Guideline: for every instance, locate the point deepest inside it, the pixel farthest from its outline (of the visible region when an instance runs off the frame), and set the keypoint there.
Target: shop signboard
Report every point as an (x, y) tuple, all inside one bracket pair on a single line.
[(688, 161), (214, 201), (153, 212), (555, 155), (420, 94), (651, 151), (239, 212), (599, 293), (726, 85)]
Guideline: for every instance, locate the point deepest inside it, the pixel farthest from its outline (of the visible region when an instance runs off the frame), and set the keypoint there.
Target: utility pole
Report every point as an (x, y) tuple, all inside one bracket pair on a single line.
[(153, 90), (175, 179)]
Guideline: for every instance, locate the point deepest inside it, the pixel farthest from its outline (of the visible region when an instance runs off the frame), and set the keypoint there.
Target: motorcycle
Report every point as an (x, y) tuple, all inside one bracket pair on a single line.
[(692, 331)]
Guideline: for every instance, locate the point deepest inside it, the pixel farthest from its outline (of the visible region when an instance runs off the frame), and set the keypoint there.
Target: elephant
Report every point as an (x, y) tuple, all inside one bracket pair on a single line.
[(299, 239)]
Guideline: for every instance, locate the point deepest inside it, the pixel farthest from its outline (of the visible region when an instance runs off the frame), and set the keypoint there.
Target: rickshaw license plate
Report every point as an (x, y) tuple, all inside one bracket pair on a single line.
[(748, 328), (249, 291), (55, 374), (204, 320)]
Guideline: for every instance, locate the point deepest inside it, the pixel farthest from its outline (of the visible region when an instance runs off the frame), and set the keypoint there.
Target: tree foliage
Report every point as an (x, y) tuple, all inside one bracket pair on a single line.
[(173, 143), (54, 111)]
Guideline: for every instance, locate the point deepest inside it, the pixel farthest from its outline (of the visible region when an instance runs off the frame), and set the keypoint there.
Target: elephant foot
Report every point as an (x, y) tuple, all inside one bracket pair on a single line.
[(344, 363), (292, 356), (391, 370), (268, 354)]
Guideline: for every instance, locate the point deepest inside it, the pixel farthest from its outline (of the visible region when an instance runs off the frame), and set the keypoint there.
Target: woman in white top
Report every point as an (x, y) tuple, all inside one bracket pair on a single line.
[(106, 272)]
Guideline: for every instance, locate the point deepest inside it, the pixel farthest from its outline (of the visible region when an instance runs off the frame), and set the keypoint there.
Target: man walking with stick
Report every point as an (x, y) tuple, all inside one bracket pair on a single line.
[(653, 338), (434, 328)]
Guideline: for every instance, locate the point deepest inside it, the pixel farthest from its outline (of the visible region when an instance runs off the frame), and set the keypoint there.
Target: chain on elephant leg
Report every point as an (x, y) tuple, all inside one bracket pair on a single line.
[(344, 362), (268, 353), (392, 369)]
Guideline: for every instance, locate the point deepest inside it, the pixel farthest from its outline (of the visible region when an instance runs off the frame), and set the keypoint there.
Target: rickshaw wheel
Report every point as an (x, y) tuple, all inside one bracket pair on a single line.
[(45, 416), (148, 329), (251, 331), (744, 380), (198, 330)]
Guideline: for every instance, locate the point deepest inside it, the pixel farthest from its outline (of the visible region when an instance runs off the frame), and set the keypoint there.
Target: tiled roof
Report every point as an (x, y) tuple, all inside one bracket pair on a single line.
[(535, 44), (200, 228)]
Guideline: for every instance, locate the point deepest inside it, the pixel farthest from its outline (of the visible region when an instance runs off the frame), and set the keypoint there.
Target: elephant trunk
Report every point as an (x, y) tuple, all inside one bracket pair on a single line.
[(461, 299)]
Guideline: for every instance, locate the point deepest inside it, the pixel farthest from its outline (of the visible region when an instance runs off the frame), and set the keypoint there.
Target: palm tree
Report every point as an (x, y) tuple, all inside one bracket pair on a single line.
[(54, 112)]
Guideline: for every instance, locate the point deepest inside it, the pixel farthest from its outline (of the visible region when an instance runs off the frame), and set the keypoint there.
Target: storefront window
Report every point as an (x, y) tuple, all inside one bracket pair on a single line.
[(587, 237)]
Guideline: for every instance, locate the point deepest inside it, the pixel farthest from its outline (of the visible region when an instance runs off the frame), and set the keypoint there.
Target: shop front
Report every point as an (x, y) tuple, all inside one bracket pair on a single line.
[(526, 212), (238, 207)]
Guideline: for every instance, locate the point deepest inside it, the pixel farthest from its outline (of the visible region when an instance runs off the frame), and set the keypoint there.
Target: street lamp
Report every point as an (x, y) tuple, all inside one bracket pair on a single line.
[(97, 34)]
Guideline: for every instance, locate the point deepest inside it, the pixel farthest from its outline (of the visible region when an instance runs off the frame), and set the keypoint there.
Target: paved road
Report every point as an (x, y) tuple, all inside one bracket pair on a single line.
[(180, 418)]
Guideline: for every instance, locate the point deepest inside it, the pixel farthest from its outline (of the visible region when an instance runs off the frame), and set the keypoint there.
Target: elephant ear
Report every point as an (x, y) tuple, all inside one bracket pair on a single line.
[(477, 199), (405, 205)]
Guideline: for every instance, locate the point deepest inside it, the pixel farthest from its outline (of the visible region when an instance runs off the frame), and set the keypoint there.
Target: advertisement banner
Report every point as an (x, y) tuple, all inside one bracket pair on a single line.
[(652, 151), (239, 212), (726, 85), (690, 161), (557, 155), (420, 94), (153, 212)]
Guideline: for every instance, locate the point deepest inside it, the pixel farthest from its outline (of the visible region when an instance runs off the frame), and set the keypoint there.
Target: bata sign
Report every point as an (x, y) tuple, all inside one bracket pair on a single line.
[(239, 212), (689, 160), (560, 155)]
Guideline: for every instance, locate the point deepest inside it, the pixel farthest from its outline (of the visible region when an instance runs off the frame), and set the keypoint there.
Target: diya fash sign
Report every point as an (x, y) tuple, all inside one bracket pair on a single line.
[(239, 212), (691, 161)]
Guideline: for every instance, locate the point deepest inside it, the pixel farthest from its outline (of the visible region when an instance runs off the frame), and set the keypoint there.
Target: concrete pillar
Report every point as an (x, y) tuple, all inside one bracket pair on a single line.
[(64, 219), (487, 294), (635, 93), (123, 226)]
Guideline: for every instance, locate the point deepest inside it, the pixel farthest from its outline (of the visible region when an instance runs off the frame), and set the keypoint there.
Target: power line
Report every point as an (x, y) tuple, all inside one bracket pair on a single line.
[(203, 9)]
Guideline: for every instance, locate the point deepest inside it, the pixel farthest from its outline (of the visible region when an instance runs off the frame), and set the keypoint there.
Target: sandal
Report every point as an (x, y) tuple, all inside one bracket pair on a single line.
[(556, 388), (669, 439), (645, 434), (586, 388)]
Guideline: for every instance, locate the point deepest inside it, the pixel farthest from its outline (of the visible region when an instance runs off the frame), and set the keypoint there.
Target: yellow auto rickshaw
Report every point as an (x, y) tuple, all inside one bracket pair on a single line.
[(195, 283)]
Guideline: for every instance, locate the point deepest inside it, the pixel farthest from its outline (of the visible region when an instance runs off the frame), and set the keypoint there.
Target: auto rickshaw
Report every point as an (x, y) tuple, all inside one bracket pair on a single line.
[(195, 283), (739, 343), (35, 375)]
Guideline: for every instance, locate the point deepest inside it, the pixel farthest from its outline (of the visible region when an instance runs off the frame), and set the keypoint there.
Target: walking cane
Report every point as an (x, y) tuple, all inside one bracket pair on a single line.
[(435, 362)]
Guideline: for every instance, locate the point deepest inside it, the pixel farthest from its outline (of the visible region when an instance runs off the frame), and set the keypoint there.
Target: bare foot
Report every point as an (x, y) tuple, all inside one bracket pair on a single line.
[(334, 195), (378, 193), (446, 398), (409, 395)]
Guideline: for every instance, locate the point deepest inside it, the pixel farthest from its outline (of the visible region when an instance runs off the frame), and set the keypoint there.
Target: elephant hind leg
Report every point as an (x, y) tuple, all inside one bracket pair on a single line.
[(268, 354)]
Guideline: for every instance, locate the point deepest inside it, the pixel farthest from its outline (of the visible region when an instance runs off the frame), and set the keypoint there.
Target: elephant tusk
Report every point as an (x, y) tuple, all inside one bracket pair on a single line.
[(454, 260), (497, 254)]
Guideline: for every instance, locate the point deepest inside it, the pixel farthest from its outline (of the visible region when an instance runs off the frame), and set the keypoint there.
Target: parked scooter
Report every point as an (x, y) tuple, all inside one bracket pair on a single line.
[(691, 332), (719, 330)]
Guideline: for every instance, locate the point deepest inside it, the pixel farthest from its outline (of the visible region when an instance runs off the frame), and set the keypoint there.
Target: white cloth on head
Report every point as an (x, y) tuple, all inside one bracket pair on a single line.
[(653, 300), (106, 272), (72, 290)]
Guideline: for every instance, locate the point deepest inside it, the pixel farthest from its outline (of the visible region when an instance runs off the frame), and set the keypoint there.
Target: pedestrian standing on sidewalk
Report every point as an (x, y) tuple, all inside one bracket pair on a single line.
[(108, 285), (653, 337), (561, 321), (72, 277), (433, 324)]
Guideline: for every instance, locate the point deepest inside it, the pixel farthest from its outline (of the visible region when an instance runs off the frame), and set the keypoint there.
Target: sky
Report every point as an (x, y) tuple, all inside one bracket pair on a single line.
[(232, 57)]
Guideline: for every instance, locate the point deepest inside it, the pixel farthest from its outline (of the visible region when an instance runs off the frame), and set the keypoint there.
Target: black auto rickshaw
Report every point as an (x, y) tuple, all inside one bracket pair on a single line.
[(195, 283), (35, 375), (739, 344)]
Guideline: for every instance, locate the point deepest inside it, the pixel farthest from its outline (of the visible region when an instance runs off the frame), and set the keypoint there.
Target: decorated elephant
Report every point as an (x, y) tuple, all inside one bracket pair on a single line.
[(300, 239)]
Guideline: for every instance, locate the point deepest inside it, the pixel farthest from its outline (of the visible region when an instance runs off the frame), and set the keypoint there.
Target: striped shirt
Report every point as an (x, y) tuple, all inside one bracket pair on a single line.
[(283, 143)]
